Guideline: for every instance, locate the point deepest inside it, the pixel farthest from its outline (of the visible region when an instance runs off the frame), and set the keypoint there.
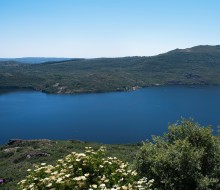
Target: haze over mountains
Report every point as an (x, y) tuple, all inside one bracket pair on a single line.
[(35, 60), (199, 65)]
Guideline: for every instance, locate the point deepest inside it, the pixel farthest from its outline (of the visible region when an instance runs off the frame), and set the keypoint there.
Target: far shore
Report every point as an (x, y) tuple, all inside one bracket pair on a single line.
[(9, 89)]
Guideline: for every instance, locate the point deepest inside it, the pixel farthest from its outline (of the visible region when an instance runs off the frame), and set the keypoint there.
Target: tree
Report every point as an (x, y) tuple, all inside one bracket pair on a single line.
[(187, 157)]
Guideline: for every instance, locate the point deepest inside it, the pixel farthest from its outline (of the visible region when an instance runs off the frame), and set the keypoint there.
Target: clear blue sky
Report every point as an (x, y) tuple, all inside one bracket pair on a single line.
[(105, 28)]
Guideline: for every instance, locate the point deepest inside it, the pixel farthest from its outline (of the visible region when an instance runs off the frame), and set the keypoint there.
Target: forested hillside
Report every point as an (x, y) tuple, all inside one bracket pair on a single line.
[(199, 65)]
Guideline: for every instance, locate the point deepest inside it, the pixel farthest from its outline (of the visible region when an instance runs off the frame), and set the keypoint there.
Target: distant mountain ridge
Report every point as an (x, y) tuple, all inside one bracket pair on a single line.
[(35, 60), (199, 65)]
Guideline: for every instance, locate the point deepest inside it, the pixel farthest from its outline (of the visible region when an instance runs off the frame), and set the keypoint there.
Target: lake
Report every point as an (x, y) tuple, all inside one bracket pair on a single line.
[(118, 117)]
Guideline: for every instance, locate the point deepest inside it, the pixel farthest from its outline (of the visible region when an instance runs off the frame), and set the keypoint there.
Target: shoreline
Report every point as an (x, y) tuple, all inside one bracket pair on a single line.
[(8, 89), (13, 142)]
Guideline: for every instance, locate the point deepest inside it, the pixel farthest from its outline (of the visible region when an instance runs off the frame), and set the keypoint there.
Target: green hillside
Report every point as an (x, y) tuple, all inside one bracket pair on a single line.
[(199, 65)]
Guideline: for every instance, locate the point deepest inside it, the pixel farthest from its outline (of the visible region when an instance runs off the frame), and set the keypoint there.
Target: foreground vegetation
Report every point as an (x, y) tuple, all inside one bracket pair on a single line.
[(194, 66), (17, 158), (85, 171), (187, 157)]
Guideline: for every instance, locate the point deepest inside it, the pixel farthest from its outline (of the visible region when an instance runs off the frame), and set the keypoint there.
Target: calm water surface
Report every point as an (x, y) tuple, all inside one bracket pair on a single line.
[(123, 117)]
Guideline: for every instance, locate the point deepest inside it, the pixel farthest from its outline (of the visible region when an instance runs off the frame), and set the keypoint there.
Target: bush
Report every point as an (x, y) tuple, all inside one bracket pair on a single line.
[(187, 157), (85, 171)]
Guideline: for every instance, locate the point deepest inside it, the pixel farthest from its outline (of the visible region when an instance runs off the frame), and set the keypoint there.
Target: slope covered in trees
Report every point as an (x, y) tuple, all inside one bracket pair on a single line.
[(199, 65)]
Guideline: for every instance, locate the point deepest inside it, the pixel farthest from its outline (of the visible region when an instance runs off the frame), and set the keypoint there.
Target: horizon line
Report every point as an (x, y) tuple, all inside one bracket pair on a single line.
[(61, 57)]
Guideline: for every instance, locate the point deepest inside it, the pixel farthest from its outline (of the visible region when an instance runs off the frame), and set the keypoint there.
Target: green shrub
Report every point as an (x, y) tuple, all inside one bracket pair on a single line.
[(187, 157), (85, 171)]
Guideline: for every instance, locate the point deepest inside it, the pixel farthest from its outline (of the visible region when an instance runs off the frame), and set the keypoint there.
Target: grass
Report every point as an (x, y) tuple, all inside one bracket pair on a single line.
[(16, 159)]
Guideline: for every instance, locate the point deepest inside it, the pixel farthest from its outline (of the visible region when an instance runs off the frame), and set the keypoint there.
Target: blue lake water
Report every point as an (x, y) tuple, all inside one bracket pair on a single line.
[(121, 117)]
